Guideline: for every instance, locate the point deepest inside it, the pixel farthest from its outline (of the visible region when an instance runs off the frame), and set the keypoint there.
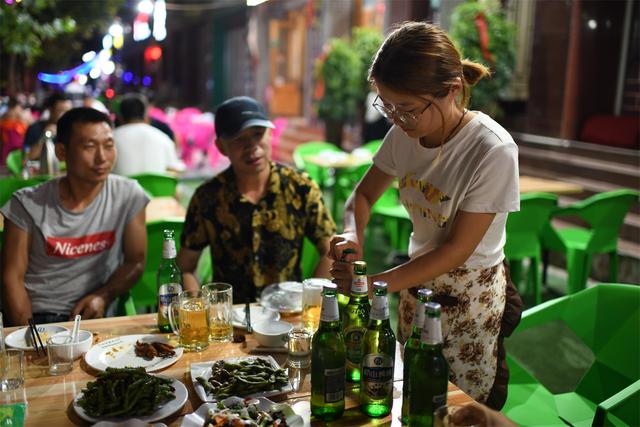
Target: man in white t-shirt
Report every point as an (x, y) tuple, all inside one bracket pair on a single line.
[(141, 147)]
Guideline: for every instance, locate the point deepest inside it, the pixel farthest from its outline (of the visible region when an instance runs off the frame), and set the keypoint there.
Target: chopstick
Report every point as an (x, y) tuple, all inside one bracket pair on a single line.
[(34, 335), (247, 315)]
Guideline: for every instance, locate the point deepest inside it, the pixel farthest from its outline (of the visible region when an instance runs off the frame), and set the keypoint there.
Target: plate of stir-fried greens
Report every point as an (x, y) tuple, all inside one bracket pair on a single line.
[(238, 412), (120, 394)]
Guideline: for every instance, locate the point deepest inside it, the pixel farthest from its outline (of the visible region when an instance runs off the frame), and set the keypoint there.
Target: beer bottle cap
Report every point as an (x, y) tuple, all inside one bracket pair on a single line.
[(360, 267), (424, 294), (380, 285), (433, 309)]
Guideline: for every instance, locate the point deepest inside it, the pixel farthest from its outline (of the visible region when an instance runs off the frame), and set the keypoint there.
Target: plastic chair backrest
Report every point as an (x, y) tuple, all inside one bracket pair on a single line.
[(620, 409), (9, 185), (605, 318), (144, 293), (317, 173), (605, 214), (157, 185), (525, 226), (14, 162), (308, 259)]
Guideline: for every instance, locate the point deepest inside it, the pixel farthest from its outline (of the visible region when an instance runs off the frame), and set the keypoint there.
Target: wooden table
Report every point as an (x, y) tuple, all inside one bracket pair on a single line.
[(530, 184), (49, 398)]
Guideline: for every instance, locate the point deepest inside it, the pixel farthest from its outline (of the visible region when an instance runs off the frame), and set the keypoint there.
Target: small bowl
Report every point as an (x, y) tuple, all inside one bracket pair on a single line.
[(272, 333), (85, 340)]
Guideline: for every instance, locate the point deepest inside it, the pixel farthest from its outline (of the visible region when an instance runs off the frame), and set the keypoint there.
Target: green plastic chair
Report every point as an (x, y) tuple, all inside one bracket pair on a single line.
[(157, 184), (145, 292), (621, 409), (14, 162), (605, 214), (322, 176), (573, 354), (395, 219), (9, 185), (308, 259), (372, 146), (524, 230)]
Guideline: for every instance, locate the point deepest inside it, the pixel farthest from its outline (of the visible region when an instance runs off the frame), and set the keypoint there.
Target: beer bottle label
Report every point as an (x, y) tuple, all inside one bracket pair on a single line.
[(379, 308), (377, 375), (334, 381), (432, 331), (418, 320), (359, 285), (169, 249), (353, 343), (166, 294), (329, 311)]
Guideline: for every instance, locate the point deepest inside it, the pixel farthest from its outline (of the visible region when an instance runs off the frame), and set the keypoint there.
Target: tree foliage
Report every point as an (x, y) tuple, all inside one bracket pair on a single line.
[(366, 42), (501, 32)]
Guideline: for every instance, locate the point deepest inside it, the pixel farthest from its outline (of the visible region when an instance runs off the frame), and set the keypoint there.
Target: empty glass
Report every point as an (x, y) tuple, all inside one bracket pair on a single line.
[(220, 311), (60, 351), (11, 369), (299, 348)]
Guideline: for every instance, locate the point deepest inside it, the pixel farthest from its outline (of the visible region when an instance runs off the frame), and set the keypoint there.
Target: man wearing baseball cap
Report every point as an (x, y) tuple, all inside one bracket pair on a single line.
[(255, 214)]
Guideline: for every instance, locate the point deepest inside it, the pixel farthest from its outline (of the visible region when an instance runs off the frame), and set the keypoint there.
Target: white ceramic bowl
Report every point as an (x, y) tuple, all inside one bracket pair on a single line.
[(272, 333), (85, 340)]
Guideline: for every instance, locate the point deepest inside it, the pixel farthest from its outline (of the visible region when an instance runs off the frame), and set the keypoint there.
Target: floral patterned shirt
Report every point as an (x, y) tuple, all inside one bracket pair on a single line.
[(254, 245)]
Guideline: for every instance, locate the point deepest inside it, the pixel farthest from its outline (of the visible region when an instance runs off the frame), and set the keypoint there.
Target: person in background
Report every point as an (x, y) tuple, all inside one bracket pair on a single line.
[(73, 244), (141, 147), (457, 172), (55, 106), (13, 127), (255, 214)]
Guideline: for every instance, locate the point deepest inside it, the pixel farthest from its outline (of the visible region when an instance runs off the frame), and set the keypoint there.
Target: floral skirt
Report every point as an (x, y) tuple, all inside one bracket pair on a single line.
[(472, 306)]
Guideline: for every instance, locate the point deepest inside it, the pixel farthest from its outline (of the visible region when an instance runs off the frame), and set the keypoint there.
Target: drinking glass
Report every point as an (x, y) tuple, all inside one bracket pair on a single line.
[(220, 311), (60, 351), (312, 302), (192, 323), (299, 348), (11, 369)]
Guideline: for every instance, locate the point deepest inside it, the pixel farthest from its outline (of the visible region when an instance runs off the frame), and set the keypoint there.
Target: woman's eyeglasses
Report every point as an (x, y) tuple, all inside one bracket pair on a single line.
[(404, 117)]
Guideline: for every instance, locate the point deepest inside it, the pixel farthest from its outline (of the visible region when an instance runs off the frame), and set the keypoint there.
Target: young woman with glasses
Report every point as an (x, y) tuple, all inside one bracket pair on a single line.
[(457, 173)]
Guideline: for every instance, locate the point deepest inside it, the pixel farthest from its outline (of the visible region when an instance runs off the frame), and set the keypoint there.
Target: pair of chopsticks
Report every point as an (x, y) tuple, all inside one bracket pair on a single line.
[(34, 334)]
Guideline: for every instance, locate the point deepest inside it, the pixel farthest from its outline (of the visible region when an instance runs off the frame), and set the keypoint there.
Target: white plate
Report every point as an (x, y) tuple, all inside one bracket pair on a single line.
[(258, 314), (169, 408), (204, 370), (198, 418), (21, 339), (120, 352), (285, 297)]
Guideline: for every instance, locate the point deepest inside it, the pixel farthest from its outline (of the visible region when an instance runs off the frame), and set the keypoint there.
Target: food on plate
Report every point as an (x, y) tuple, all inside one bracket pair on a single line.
[(242, 414), (125, 392), (150, 350), (246, 377)]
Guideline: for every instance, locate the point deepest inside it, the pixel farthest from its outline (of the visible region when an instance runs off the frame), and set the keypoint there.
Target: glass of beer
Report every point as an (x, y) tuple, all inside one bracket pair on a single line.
[(220, 311), (192, 323), (311, 303)]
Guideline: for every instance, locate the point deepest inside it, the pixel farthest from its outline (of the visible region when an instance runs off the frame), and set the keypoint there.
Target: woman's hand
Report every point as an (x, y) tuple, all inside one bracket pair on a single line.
[(344, 249)]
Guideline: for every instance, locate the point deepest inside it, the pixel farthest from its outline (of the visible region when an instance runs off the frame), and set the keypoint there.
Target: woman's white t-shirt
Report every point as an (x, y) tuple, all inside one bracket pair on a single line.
[(476, 171)]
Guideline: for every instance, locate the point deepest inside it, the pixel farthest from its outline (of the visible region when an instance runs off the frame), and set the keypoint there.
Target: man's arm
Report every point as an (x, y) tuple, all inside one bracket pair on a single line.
[(15, 257), (324, 265), (134, 242), (187, 260)]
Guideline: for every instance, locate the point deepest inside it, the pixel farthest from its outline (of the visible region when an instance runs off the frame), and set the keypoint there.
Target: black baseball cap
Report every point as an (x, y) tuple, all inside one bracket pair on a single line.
[(239, 113)]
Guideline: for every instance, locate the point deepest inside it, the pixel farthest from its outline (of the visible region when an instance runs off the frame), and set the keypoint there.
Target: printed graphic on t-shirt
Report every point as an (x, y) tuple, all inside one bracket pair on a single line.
[(76, 247), (430, 193)]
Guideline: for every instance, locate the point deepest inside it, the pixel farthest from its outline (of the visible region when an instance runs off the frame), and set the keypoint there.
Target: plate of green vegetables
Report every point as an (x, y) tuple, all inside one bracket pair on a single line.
[(120, 394), (254, 376)]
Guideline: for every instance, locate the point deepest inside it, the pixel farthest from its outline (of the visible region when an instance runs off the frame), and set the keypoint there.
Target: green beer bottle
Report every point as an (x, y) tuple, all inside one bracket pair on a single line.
[(378, 357), (411, 347), (169, 280), (343, 300), (356, 320), (429, 371), (328, 358)]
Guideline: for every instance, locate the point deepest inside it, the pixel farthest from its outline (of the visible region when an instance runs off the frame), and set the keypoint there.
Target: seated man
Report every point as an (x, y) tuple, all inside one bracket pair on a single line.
[(55, 105), (75, 243), (141, 147), (255, 214)]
